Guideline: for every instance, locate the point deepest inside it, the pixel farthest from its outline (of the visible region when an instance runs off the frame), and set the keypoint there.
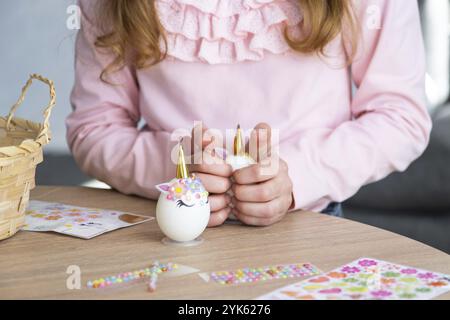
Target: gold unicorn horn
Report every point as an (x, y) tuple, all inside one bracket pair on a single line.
[(182, 171), (238, 143)]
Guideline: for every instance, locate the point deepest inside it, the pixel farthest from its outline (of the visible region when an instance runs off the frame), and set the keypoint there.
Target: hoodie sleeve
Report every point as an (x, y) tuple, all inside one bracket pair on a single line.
[(102, 130), (390, 126)]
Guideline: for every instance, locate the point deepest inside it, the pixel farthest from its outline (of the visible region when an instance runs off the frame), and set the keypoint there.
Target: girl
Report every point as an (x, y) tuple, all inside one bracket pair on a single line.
[(287, 63)]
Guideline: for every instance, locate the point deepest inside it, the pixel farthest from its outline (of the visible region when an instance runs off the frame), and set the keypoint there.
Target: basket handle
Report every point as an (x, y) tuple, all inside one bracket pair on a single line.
[(47, 110)]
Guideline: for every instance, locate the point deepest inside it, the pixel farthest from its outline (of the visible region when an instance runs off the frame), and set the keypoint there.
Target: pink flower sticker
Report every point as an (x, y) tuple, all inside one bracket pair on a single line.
[(427, 275), (381, 293), (331, 291), (349, 269), (367, 263), (409, 271)]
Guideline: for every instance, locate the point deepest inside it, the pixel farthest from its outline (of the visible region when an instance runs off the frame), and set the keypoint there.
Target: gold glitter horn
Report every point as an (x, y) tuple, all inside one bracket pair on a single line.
[(182, 171), (239, 149)]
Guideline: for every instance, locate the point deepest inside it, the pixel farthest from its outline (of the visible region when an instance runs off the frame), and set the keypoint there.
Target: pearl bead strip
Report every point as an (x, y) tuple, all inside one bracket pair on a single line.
[(127, 277), (249, 275)]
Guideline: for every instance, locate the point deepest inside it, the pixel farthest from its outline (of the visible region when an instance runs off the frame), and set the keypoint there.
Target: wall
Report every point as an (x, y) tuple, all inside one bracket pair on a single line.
[(34, 39)]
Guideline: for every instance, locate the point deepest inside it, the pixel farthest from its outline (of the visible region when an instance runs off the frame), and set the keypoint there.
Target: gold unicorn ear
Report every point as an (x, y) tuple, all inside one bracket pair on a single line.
[(182, 171)]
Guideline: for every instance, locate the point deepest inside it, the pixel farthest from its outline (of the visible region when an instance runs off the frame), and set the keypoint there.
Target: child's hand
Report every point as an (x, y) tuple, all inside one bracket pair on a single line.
[(215, 175), (262, 196)]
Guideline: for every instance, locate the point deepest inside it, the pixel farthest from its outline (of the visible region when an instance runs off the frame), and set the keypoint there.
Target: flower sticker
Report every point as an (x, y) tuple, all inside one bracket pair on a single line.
[(351, 280), (381, 293), (73, 214), (319, 280), (438, 284), (53, 218), (367, 263), (409, 271), (423, 290), (387, 282), (426, 275), (331, 291), (190, 191), (391, 274), (409, 280), (337, 275), (349, 269), (39, 215), (357, 289)]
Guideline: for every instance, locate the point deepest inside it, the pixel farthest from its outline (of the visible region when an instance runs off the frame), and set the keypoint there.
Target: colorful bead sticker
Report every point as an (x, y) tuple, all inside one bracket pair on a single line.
[(127, 277), (367, 279), (249, 275)]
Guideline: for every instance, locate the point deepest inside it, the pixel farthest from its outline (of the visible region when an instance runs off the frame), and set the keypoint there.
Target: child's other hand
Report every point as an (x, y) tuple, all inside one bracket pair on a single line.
[(215, 175), (262, 192)]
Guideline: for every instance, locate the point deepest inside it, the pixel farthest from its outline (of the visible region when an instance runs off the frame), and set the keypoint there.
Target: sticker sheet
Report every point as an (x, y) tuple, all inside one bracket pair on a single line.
[(249, 275), (367, 279), (85, 223)]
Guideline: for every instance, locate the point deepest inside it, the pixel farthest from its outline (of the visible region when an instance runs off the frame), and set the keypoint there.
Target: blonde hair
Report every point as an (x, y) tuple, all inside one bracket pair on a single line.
[(134, 30)]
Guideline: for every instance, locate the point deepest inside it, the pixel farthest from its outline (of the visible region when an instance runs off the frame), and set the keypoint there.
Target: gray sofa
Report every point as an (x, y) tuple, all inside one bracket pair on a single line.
[(416, 203)]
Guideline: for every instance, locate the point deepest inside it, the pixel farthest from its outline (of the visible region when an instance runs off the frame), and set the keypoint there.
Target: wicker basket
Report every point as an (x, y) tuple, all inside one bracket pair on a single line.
[(21, 144)]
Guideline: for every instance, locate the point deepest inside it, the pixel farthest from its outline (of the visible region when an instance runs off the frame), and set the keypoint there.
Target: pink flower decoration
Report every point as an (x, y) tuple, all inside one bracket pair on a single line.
[(409, 271), (381, 294), (427, 275), (350, 269), (367, 263)]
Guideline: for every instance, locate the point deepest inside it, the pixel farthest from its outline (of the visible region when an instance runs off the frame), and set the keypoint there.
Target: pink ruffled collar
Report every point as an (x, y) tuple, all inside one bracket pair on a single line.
[(227, 31)]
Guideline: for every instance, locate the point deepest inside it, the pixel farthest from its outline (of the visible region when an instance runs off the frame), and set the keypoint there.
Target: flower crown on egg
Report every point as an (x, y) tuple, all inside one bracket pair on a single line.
[(186, 192)]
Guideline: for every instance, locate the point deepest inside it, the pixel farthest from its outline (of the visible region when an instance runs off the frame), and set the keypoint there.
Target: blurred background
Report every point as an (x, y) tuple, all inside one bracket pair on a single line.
[(34, 37)]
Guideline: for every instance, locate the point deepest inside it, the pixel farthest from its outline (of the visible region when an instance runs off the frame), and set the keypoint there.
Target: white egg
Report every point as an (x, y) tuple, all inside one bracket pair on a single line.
[(239, 162), (180, 221)]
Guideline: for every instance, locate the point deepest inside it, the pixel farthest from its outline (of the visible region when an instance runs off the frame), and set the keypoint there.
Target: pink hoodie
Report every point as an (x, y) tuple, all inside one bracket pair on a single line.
[(228, 63)]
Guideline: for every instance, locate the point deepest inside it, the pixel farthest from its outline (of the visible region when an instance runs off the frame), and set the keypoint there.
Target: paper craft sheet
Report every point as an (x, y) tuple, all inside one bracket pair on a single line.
[(85, 223), (367, 279)]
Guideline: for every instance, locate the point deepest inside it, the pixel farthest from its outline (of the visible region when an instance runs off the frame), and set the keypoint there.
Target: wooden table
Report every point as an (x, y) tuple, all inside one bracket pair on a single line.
[(33, 265)]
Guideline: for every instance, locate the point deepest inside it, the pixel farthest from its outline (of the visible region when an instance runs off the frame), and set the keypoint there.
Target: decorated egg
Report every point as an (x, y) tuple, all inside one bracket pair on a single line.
[(183, 210)]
